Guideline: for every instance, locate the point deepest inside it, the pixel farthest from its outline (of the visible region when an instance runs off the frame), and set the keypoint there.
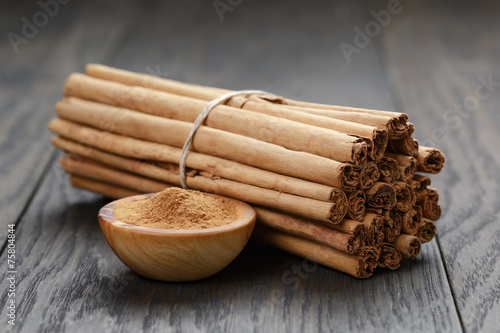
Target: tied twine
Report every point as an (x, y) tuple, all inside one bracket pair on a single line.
[(197, 123)]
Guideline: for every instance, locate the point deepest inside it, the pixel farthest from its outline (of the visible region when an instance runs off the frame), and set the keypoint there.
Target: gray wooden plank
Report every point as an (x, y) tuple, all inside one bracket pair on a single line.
[(277, 47), (71, 281), (31, 82), (438, 62)]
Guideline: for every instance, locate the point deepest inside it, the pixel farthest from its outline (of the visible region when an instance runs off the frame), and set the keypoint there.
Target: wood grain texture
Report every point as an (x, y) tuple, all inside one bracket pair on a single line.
[(71, 281), (455, 54), (31, 84)]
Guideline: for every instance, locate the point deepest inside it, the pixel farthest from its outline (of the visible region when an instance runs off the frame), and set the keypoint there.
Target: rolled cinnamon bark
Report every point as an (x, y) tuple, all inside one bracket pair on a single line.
[(378, 137), (419, 214), (405, 197), (93, 141), (393, 122), (428, 199), (283, 132), (368, 175), (393, 223), (360, 266), (410, 221), (108, 190), (289, 203), (318, 210), (351, 227), (415, 186), (421, 194), (405, 145), (408, 245), (407, 165), (430, 160), (374, 224), (85, 168), (211, 142), (411, 127), (307, 228), (423, 180), (426, 230), (356, 207), (315, 209), (389, 170), (153, 82), (390, 256), (381, 195)]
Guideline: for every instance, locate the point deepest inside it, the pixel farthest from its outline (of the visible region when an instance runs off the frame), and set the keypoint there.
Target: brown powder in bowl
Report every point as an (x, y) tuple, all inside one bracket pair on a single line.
[(175, 208)]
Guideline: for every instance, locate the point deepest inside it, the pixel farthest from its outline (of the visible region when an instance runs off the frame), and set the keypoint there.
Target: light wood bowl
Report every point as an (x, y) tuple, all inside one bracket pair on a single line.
[(176, 255)]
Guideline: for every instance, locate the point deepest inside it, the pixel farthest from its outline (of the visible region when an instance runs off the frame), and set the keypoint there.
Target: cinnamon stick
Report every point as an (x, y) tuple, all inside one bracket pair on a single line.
[(393, 223), (410, 221), (419, 213), (407, 165), (306, 228), (360, 266), (393, 122), (153, 82), (421, 194), (351, 227), (93, 141), (430, 160), (426, 230), (378, 136), (283, 132), (368, 175), (211, 142), (381, 195), (108, 190), (423, 180), (428, 199), (405, 145), (415, 186), (405, 197), (375, 229), (408, 245), (390, 256), (389, 169), (319, 210), (356, 207), (84, 168), (188, 89), (411, 127)]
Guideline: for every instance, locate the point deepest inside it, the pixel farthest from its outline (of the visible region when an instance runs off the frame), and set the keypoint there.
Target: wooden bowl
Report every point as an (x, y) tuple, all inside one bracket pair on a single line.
[(176, 255)]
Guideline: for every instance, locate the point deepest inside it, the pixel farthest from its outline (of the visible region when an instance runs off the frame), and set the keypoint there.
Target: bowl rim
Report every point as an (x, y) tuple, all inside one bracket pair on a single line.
[(247, 217)]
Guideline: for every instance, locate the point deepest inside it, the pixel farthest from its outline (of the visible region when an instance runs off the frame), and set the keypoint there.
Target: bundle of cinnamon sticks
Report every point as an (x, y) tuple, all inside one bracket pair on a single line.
[(336, 185)]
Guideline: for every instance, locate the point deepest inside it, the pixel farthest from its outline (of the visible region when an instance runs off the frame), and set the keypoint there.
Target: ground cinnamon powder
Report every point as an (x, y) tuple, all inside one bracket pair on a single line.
[(175, 208)]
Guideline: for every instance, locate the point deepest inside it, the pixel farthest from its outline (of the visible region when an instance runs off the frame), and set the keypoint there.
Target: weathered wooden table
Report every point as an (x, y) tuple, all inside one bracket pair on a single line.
[(437, 62)]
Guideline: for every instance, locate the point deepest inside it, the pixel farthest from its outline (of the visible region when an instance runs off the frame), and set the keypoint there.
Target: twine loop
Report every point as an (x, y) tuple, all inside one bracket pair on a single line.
[(197, 123)]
